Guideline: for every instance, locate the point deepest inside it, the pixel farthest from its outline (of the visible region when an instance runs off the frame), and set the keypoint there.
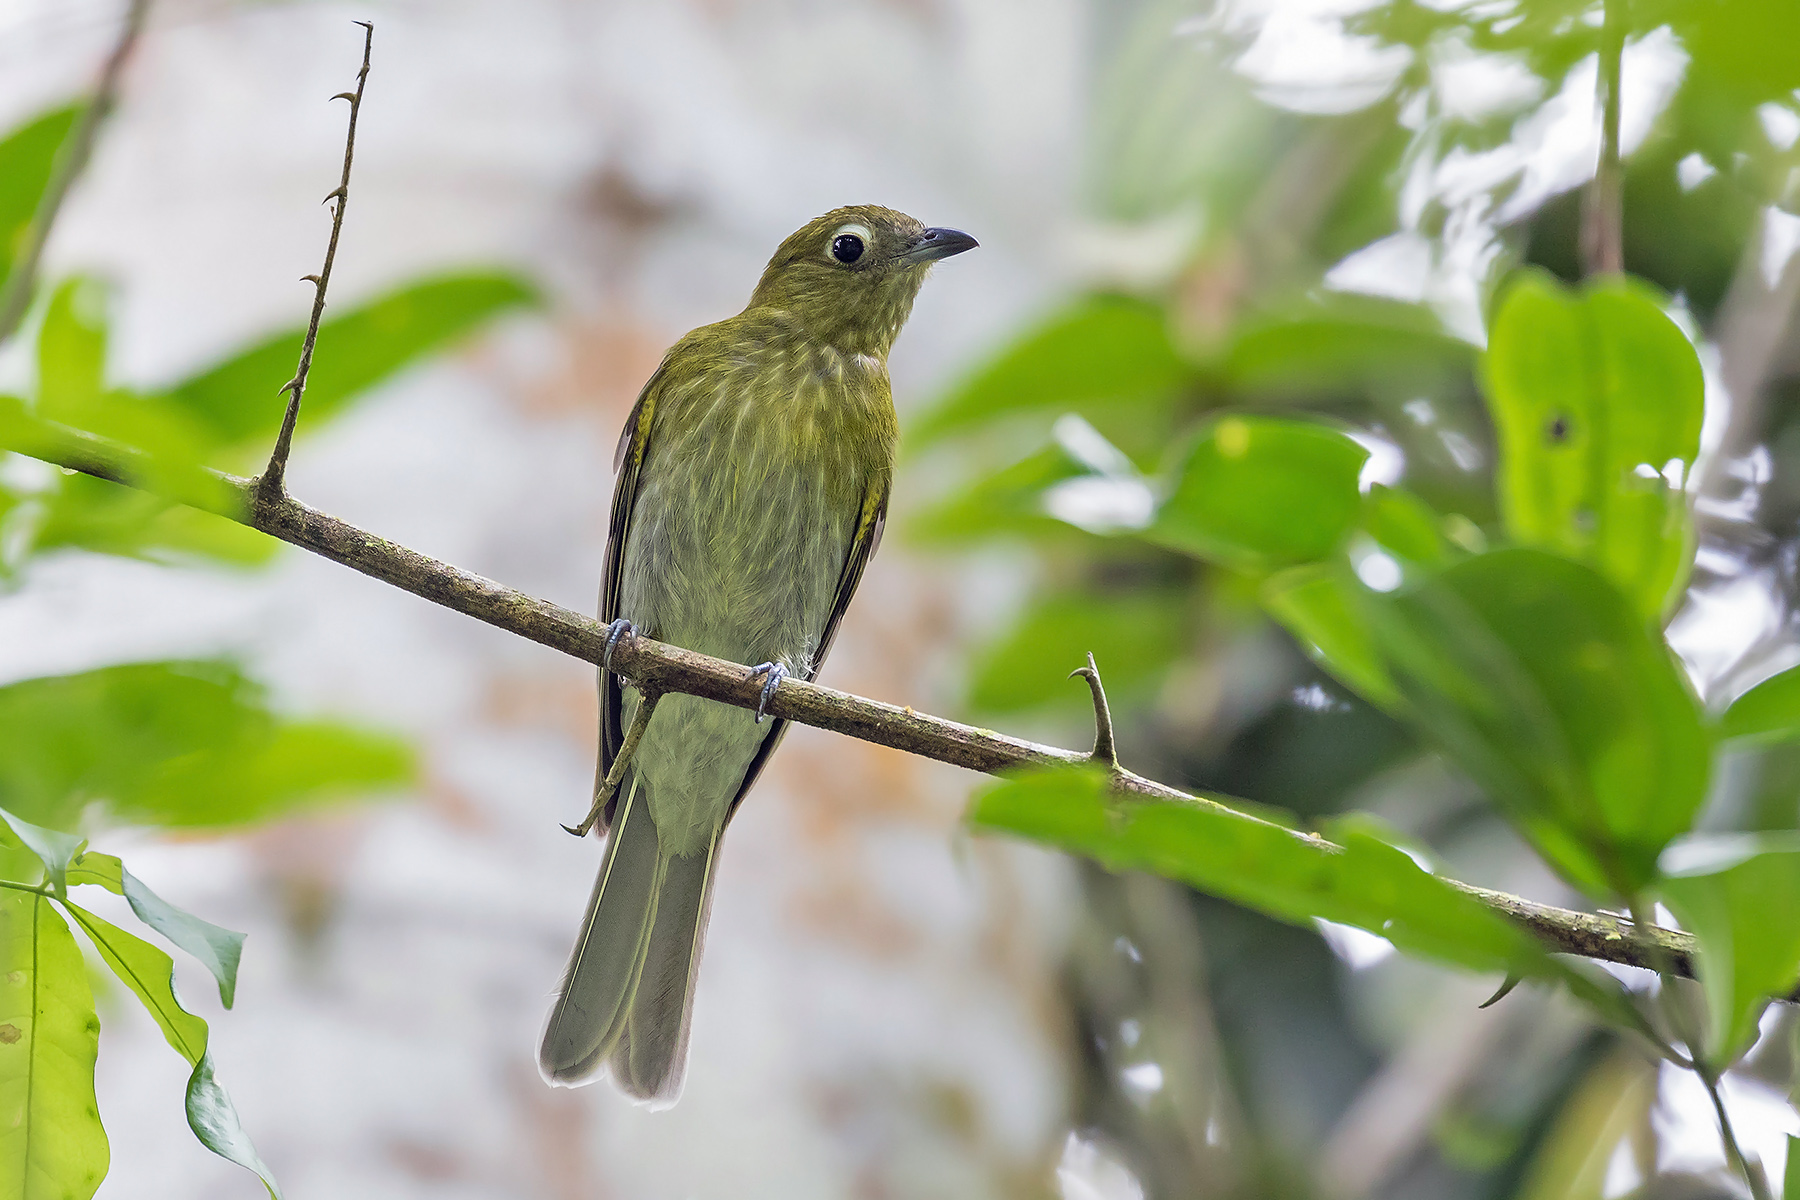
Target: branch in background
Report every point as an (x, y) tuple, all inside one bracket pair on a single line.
[(1603, 207), (657, 667), (271, 484), (15, 293)]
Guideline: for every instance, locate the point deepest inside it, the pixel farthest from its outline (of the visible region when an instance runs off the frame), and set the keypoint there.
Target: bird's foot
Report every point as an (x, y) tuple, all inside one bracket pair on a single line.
[(620, 628), (775, 673), (587, 823)]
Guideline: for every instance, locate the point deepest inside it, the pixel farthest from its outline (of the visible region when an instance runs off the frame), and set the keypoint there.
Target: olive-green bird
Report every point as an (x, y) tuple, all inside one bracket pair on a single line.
[(752, 486)]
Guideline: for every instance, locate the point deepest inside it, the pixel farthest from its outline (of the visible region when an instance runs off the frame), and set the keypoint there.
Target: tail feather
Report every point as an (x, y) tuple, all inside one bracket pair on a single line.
[(628, 993), (650, 1060), (587, 1021)]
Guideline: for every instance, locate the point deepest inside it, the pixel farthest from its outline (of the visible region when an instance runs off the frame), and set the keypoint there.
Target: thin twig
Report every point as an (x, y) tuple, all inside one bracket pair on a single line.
[(71, 159), (1603, 207), (272, 483), (658, 667)]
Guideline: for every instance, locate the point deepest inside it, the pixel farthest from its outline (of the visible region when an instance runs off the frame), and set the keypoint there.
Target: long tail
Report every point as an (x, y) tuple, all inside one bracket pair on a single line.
[(628, 992)]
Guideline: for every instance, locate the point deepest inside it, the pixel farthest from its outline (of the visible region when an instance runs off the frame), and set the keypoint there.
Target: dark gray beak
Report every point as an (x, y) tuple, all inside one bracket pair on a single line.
[(935, 243)]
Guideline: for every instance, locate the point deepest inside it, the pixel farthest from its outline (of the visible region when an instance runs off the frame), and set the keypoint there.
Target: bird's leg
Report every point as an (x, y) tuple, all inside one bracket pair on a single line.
[(775, 673), (640, 721), (618, 629)]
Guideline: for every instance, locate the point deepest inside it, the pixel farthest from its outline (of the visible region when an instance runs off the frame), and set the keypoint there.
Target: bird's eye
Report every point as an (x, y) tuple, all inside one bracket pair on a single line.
[(846, 248)]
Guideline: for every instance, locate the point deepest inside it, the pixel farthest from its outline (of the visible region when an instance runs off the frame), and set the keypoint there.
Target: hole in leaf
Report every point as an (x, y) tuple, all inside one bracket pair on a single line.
[(1559, 428)]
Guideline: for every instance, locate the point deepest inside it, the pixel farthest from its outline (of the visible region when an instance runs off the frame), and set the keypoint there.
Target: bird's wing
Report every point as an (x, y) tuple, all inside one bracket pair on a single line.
[(628, 462), (862, 546)]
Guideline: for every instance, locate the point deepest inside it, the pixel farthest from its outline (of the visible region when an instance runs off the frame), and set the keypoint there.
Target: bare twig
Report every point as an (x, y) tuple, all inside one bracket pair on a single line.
[(1603, 207), (272, 483), (658, 667), (71, 159)]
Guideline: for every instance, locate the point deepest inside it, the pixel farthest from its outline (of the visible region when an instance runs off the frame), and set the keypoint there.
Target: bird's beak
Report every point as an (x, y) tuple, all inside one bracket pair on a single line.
[(935, 243)]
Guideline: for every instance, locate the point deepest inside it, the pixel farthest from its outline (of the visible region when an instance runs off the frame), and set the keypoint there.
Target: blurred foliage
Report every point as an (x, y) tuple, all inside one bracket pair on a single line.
[(188, 745), (1342, 368)]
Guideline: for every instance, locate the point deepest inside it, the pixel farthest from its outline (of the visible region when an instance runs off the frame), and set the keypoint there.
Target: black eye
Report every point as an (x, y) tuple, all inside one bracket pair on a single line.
[(846, 248)]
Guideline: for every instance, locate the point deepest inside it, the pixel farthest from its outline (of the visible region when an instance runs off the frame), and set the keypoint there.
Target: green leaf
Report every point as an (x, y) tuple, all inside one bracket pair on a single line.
[(1404, 525), (27, 155), (85, 513), (72, 352), (1739, 895), (1134, 636), (1102, 351), (238, 399), (1593, 394), (1321, 605), (54, 849), (1767, 714), (1538, 678), (218, 949), (52, 1144), (1289, 875), (149, 973), (1790, 1189), (1007, 502), (270, 770), (214, 1119), (1258, 493), (190, 744), (1349, 344)]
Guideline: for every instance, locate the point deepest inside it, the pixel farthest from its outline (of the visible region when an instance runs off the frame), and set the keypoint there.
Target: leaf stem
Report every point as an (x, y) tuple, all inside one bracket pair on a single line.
[(1603, 206), (71, 159)]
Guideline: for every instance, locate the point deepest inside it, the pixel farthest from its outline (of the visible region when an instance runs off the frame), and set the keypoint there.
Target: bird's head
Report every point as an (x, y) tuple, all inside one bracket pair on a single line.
[(849, 277)]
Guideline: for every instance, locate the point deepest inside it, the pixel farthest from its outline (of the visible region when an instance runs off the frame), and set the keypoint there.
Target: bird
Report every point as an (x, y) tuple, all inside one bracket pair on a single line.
[(752, 483)]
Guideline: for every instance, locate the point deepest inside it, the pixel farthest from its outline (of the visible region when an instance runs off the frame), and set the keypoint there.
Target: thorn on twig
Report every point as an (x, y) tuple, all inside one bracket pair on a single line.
[(1506, 987), (350, 96), (1105, 751)]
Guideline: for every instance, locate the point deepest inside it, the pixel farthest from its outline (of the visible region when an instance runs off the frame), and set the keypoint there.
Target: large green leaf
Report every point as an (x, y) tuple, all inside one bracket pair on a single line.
[(1364, 880), (1104, 350), (150, 974), (218, 949), (1767, 714), (175, 743), (52, 1145), (1322, 605), (1134, 636), (1593, 395), (1539, 679), (1276, 870), (27, 155), (1258, 493), (239, 399), (1739, 895)]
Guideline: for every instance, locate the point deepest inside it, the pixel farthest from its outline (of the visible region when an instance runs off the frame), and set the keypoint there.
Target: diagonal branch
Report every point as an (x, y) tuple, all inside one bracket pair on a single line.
[(659, 667), (272, 483), (15, 292)]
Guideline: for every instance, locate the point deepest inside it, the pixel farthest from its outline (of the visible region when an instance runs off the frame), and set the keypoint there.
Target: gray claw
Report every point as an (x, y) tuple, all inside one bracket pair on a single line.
[(618, 629), (775, 673)]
